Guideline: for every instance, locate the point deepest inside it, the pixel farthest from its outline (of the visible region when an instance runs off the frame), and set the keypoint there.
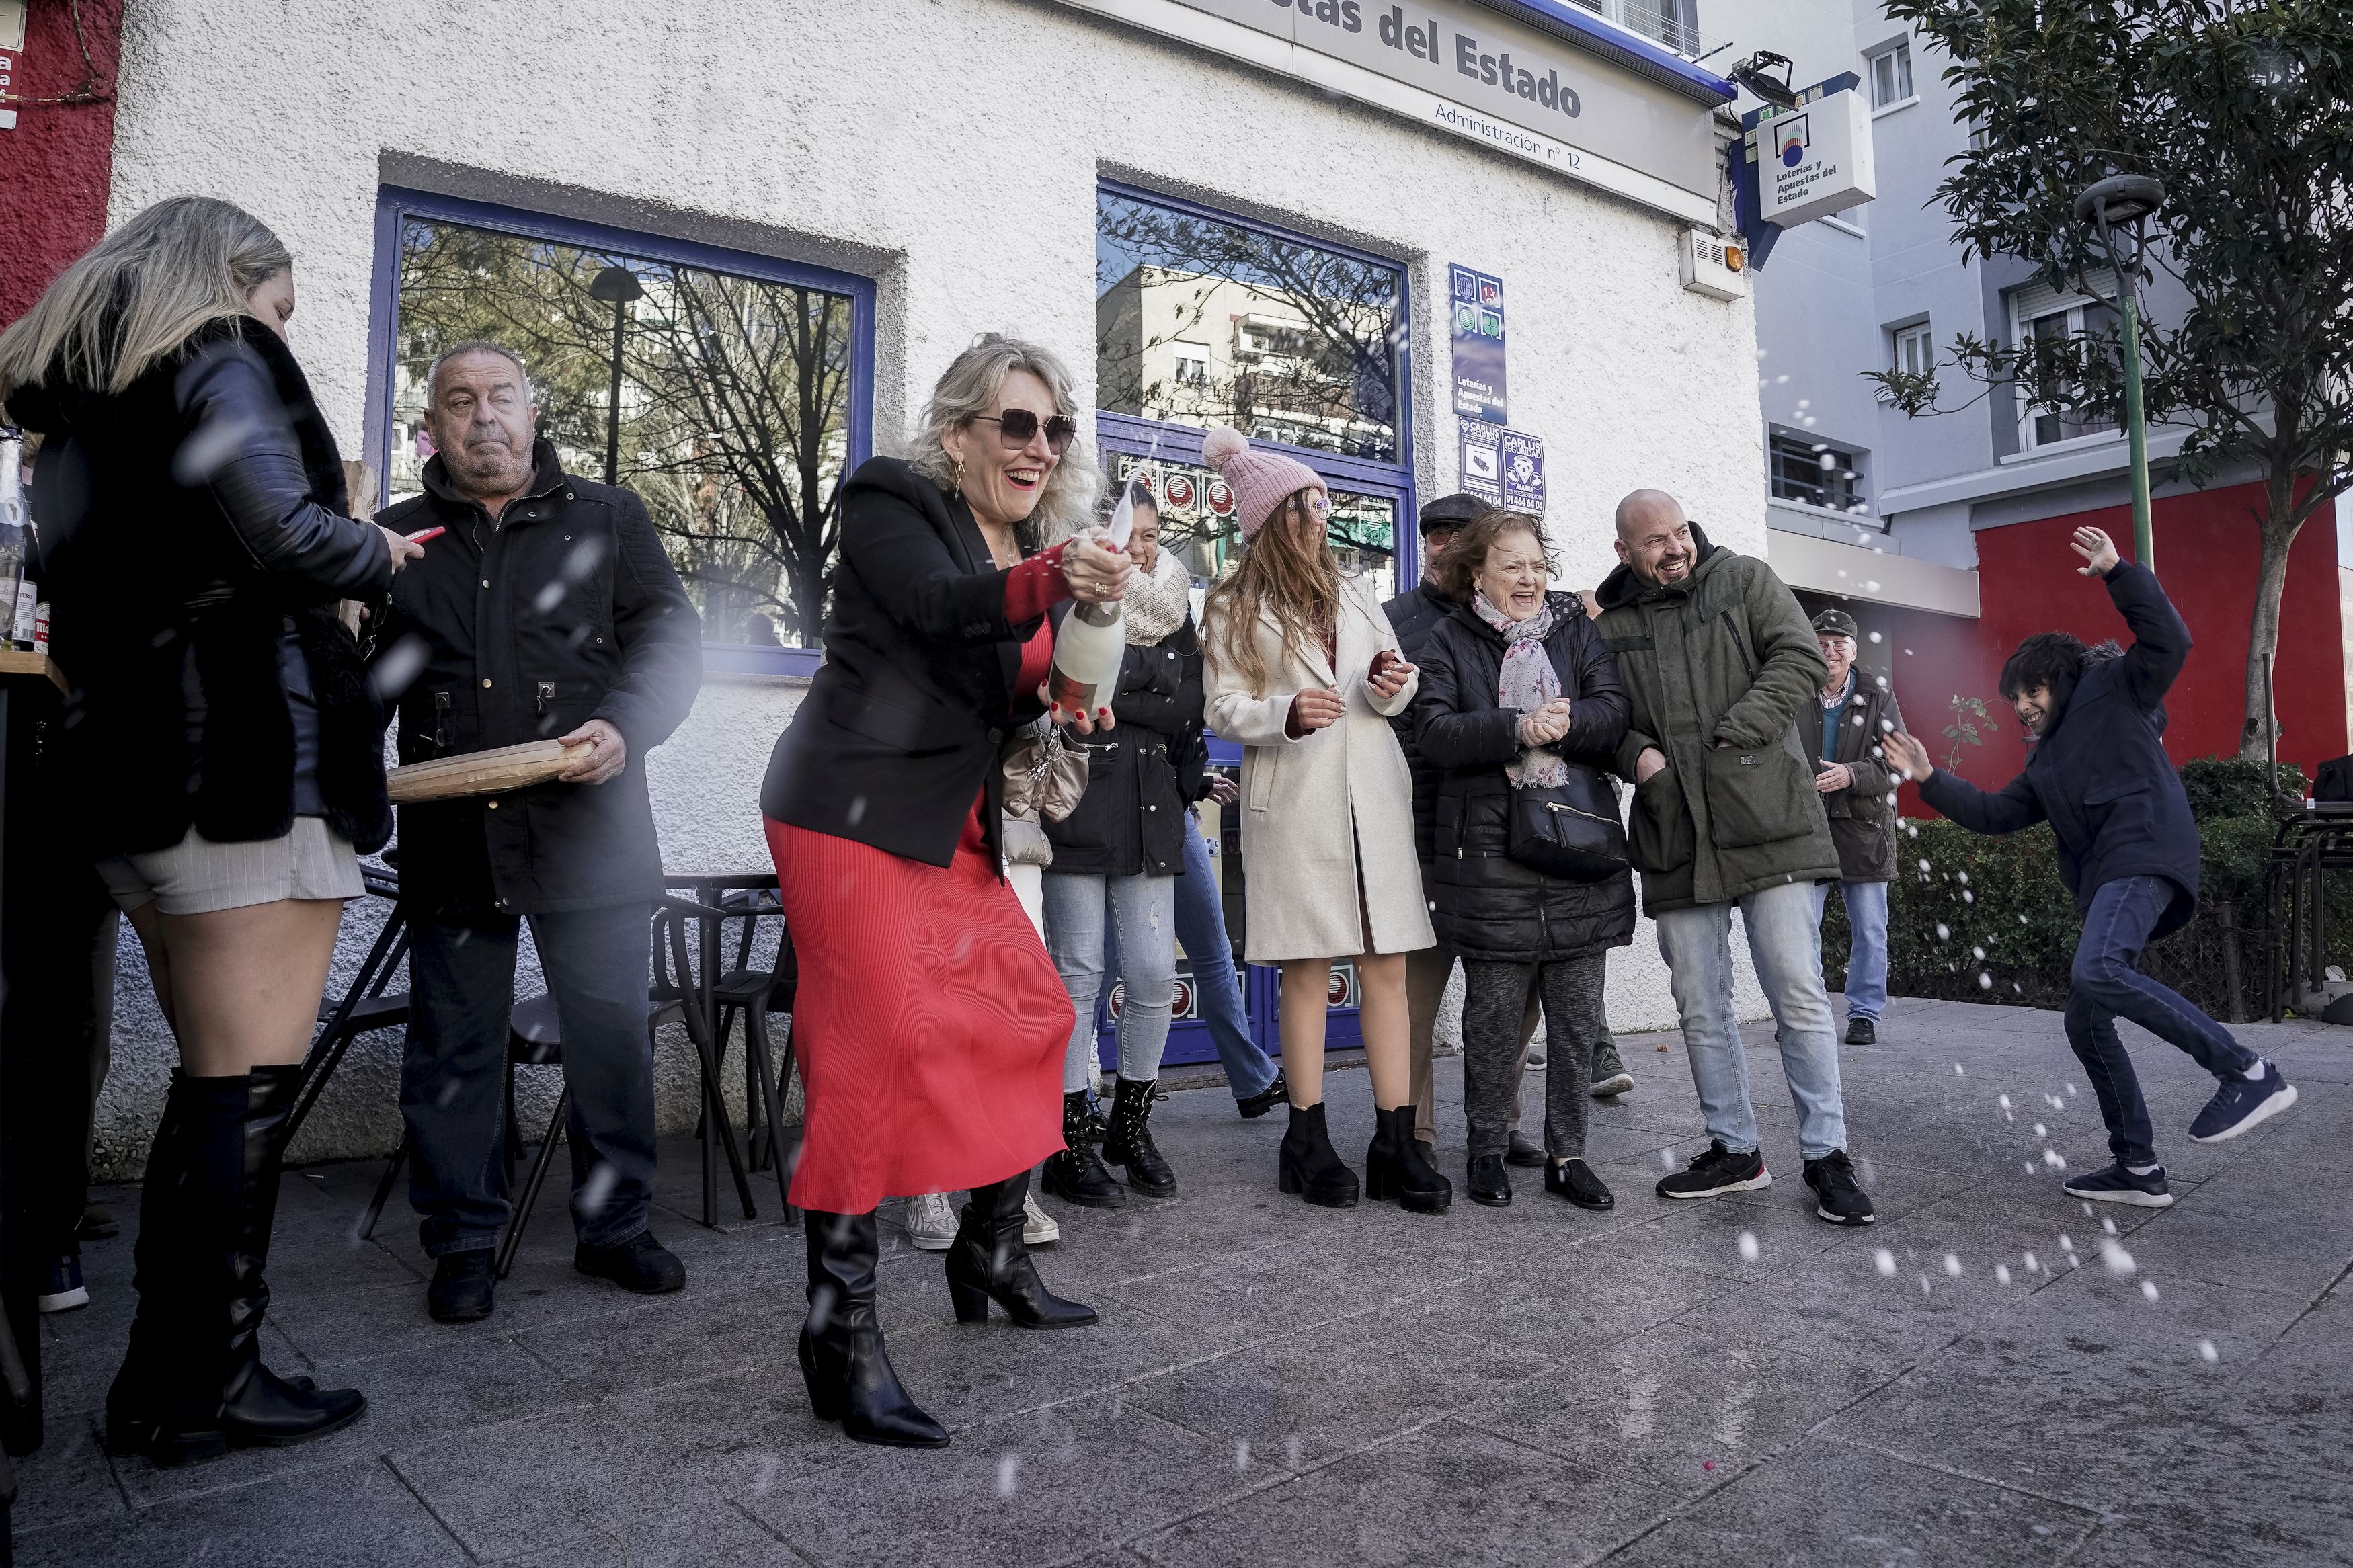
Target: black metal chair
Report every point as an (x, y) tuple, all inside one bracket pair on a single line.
[(753, 994), (366, 1005)]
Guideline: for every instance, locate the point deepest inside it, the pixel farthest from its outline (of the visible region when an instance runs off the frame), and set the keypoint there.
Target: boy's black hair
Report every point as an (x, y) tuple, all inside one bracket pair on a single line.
[(2050, 660)]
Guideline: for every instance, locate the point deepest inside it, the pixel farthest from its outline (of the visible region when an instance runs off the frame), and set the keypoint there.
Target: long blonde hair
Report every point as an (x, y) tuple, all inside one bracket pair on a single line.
[(1297, 580), (972, 385), (140, 293)]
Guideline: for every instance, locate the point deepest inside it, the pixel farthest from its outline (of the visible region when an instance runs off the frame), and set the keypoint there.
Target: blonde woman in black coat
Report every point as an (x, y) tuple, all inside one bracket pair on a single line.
[(1516, 688)]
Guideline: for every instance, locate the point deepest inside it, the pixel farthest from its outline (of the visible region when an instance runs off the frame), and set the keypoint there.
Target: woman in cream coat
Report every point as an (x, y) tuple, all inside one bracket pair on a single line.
[(1303, 670)]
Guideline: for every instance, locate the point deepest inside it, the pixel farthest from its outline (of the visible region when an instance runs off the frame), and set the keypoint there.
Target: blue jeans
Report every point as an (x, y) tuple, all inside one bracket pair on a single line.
[(1201, 928), (1785, 943), (2103, 984), (1866, 959), (1143, 913), (453, 1071)]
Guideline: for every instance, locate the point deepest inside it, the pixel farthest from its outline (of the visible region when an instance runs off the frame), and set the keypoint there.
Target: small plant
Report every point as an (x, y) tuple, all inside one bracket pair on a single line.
[(1972, 725)]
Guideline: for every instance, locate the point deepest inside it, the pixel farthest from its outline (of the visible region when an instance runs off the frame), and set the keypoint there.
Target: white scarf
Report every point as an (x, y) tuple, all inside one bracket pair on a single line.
[(1157, 602)]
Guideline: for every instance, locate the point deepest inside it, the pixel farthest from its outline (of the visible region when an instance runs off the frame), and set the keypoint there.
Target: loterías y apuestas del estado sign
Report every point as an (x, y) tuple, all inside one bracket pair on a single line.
[(1477, 72)]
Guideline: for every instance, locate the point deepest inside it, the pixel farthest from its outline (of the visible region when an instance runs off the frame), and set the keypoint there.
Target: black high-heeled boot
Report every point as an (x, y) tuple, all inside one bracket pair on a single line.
[(989, 1262), (259, 1408), (1075, 1173), (160, 1277), (1308, 1165), (1129, 1143), (848, 1373), (1395, 1167)]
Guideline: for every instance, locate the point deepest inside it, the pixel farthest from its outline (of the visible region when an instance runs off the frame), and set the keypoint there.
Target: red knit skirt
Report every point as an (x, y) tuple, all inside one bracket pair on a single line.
[(929, 1023)]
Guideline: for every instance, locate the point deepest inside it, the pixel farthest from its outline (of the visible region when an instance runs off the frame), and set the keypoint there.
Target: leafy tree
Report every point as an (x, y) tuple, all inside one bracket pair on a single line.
[(2245, 110)]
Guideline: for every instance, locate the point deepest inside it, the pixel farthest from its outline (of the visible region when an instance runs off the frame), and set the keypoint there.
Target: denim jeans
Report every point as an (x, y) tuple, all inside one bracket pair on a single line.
[(452, 1073), (1201, 928), (2103, 984), (1785, 943), (1143, 913), (1867, 961)]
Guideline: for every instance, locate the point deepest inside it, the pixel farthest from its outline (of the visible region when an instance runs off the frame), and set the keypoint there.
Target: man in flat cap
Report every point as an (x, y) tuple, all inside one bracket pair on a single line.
[(1858, 791)]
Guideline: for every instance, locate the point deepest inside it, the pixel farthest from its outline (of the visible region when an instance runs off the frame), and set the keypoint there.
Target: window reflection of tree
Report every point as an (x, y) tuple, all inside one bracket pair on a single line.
[(734, 402), (1325, 381)]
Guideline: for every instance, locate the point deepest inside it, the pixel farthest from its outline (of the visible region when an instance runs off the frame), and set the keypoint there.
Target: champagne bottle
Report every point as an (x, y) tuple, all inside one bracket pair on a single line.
[(1093, 637), (13, 539)]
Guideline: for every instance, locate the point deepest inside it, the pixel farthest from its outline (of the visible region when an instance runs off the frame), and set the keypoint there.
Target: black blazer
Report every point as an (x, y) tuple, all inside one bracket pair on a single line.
[(194, 538), (906, 718), (2100, 774)]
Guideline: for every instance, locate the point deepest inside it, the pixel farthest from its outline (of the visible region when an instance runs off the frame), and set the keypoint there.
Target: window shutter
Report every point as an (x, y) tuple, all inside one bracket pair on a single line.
[(2041, 300)]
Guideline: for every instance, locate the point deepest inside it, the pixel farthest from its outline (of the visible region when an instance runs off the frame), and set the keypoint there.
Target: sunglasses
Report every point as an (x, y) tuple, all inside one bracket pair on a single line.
[(1019, 427), (1315, 501)]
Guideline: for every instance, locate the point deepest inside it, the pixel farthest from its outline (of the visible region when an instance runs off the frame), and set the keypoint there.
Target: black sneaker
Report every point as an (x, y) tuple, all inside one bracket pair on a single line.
[(2241, 1103), (464, 1287), (639, 1264), (1836, 1198), (1717, 1171), (2115, 1185), (1254, 1106), (1862, 1031), (64, 1290)]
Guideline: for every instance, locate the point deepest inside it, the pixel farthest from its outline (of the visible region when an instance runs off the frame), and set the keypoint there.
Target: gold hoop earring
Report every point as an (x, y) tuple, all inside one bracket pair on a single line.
[(956, 478)]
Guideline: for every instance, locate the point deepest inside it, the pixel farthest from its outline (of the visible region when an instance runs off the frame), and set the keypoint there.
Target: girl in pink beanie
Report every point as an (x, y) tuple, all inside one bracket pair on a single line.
[(1303, 670)]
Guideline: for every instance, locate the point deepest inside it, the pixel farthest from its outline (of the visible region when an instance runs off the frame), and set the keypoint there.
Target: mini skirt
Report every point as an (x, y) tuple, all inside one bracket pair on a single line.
[(197, 876)]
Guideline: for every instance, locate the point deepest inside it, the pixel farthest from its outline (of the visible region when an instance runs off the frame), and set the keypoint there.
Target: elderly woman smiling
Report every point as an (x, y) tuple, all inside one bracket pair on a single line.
[(1518, 691)]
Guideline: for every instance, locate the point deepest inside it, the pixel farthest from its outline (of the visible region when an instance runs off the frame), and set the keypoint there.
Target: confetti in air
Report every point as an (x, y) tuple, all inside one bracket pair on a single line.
[(1748, 1245), (2148, 1289), (1952, 1265), (1009, 1474), (1885, 1260), (2206, 1349), (2118, 1260), (2001, 1273)]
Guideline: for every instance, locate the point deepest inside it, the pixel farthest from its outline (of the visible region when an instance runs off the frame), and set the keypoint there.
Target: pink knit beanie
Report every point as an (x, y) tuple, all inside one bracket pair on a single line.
[(1262, 481)]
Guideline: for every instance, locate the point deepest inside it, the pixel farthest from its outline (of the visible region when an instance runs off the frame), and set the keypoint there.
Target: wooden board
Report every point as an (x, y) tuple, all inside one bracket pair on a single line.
[(15, 661), (482, 772)]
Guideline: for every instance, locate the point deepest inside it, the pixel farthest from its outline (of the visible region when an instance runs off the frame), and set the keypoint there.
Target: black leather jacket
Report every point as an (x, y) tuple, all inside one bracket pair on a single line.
[(194, 545)]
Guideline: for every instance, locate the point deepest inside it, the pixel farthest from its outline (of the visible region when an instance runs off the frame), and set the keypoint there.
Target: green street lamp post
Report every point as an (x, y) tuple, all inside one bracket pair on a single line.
[(2125, 201)]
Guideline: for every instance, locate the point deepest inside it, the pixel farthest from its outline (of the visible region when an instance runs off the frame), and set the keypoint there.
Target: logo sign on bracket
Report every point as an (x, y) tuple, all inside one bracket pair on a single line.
[(1478, 334), (1815, 160), (1505, 468)]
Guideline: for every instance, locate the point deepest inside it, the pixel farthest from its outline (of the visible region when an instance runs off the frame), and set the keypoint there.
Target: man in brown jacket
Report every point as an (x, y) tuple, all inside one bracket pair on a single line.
[(1858, 790)]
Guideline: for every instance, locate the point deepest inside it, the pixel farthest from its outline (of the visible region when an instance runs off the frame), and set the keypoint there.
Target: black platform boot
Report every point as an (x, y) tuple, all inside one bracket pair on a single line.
[(1395, 1167), (1129, 1143), (847, 1372), (1075, 1173), (1308, 1165), (159, 1277), (988, 1262)]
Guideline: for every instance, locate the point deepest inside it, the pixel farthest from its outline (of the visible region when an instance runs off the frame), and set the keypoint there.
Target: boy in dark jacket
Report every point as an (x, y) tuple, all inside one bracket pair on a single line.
[(2127, 850)]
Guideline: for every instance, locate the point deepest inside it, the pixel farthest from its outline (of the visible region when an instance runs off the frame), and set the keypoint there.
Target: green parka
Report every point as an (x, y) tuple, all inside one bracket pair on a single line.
[(1719, 670)]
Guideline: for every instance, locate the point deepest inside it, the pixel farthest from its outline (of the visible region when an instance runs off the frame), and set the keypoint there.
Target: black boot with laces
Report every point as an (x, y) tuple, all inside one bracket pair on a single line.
[(1129, 1142), (1075, 1173)]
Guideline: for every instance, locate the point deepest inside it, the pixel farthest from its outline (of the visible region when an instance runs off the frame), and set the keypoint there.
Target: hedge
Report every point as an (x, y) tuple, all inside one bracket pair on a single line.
[(1987, 920)]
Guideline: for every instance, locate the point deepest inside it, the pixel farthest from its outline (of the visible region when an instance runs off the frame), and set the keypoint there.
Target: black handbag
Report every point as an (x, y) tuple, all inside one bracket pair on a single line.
[(1570, 830)]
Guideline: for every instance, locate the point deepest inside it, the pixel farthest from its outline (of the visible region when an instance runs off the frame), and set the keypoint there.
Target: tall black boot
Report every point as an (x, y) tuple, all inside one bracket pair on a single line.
[(1129, 1143), (1395, 1167), (1074, 1173), (843, 1360), (259, 1409), (159, 1277), (988, 1262), (1310, 1166)]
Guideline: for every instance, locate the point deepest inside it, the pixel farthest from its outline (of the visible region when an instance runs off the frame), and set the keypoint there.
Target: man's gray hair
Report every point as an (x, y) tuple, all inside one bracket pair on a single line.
[(475, 346)]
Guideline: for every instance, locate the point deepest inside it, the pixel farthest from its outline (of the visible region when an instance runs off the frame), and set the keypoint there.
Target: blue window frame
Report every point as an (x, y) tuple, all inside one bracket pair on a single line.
[(1193, 306), (743, 384)]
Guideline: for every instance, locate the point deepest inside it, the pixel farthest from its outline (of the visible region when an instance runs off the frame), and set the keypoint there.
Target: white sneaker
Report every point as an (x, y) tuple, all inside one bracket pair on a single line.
[(930, 1222), (1037, 1227)]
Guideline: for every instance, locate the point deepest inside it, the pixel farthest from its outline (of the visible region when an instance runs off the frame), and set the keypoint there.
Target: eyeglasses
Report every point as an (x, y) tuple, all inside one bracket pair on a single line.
[(1019, 427), (1315, 501)]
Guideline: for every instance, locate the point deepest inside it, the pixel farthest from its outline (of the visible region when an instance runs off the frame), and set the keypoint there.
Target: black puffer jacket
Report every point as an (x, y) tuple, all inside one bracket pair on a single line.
[(567, 610), (1143, 770), (1488, 905), (196, 545), (1413, 616)]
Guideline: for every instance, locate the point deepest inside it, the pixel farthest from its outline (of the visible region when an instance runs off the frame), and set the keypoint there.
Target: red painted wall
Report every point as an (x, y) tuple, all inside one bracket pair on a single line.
[(2206, 558), (56, 165)]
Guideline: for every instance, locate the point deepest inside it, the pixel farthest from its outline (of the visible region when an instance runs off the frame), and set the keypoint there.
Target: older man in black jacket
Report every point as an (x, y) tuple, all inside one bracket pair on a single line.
[(2128, 850), (545, 610)]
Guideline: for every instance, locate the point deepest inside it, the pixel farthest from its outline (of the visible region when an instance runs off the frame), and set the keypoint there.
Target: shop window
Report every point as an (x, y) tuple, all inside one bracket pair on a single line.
[(1891, 77), (2049, 322), (731, 393), (1813, 473), (1202, 319)]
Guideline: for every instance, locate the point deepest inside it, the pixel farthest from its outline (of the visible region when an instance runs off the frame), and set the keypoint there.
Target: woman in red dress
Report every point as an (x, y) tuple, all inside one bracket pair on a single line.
[(930, 1022)]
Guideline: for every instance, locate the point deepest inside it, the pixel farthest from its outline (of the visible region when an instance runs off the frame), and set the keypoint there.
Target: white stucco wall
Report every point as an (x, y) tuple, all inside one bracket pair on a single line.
[(950, 151)]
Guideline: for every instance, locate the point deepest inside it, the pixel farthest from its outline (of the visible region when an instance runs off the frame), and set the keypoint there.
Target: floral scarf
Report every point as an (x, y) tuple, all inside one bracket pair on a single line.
[(1528, 682)]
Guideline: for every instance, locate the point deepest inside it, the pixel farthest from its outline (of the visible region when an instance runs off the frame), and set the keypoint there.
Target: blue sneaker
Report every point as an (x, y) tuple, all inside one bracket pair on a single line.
[(65, 1290), (2115, 1185), (2241, 1103)]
